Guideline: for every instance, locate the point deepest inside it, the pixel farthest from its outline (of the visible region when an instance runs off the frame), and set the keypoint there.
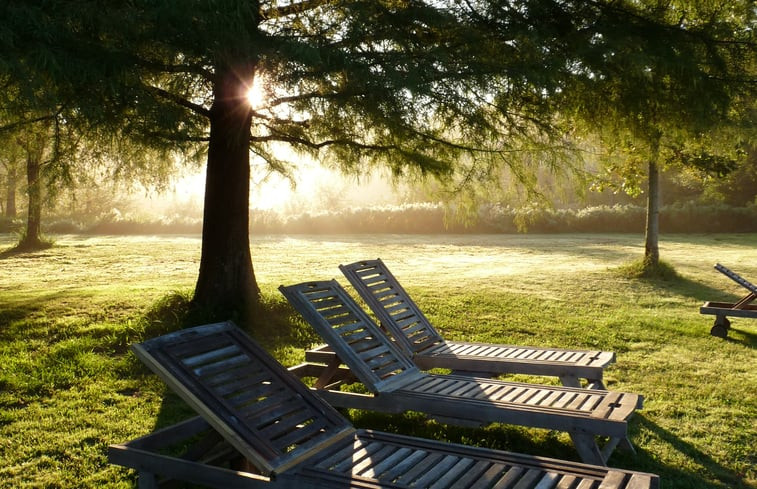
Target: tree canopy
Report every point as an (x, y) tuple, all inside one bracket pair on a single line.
[(424, 87)]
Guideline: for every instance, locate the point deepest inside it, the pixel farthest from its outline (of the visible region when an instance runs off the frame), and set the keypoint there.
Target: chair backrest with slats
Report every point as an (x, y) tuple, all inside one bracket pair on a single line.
[(242, 392), (736, 278), (391, 304), (369, 353)]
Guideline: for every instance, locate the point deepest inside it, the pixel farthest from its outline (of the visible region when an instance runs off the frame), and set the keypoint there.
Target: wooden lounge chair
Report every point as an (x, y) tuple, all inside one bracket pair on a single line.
[(397, 385), (257, 414), (742, 308), (398, 314)]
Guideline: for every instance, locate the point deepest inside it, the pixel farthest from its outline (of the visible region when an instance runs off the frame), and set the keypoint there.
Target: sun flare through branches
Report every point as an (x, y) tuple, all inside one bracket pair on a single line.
[(256, 94)]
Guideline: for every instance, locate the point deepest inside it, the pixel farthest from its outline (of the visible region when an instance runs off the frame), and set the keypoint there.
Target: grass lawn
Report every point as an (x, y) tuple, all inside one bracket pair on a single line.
[(69, 387)]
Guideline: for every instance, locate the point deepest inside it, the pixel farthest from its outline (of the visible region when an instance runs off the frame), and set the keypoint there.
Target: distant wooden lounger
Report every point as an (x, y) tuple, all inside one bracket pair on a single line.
[(742, 308), (397, 385), (261, 428), (415, 334)]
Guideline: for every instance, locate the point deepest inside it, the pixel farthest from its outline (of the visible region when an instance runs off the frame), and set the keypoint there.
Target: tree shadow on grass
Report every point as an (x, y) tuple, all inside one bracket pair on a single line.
[(547, 444), (675, 477), (15, 314), (737, 335), (10, 313), (664, 277), (25, 249), (13, 252), (686, 287)]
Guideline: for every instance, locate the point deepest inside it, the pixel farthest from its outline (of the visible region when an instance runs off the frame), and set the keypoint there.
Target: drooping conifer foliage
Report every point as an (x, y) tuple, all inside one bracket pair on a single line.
[(450, 88)]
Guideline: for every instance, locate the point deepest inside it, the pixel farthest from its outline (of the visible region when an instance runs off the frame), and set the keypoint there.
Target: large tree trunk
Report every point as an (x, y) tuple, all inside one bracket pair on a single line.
[(226, 284), (10, 200), (652, 235)]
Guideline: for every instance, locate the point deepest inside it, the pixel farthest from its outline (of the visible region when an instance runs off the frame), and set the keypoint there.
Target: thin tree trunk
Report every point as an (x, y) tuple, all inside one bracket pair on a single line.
[(652, 234), (33, 237), (226, 283), (10, 200)]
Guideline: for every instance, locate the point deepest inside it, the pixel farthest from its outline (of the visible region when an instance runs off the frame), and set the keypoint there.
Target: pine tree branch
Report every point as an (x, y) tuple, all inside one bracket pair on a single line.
[(166, 136), (288, 138), (196, 108), (24, 122)]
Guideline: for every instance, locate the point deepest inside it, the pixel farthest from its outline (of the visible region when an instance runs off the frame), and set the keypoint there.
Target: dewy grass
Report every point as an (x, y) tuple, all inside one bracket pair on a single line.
[(69, 386)]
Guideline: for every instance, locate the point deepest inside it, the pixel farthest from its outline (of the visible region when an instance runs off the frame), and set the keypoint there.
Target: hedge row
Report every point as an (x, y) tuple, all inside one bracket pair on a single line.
[(410, 219), (432, 218)]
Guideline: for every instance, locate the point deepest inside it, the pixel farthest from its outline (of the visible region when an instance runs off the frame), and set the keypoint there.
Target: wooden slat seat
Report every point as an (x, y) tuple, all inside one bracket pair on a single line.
[(222, 375), (220, 372), (585, 414), (415, 334)]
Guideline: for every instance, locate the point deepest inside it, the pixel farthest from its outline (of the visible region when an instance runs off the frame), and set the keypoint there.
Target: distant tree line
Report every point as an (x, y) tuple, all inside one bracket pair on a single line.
[(694, 202), (435, 219), (446, 89)]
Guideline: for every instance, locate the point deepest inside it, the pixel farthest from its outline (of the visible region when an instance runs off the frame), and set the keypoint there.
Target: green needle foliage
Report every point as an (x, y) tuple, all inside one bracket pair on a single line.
[(452, 89)]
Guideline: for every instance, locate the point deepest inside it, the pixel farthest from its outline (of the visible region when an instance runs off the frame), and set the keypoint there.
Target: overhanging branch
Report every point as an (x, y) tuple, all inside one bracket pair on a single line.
[(286, 138), (180, 139), (196, 108), (23, 122)]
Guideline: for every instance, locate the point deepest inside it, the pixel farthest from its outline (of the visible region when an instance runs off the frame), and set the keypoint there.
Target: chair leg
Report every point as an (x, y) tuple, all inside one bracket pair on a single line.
[(609, 447), (622, 443), (147, 480), (570, 381), (573, 381), (328, 373), (587, 449), (625, 444)]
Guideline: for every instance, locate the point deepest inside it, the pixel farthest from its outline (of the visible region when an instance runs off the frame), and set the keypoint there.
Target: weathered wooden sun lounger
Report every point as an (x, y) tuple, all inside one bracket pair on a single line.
[(742, 308), (258, 416), (397, 385), (415, 334)]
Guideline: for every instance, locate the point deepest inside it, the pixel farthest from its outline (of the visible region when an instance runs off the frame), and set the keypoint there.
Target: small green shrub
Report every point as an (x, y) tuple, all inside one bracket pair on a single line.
[(646, 269), (169, 313)]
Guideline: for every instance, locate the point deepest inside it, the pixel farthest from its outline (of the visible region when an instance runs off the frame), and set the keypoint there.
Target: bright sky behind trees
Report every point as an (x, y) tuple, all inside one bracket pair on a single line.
[(453, 89)]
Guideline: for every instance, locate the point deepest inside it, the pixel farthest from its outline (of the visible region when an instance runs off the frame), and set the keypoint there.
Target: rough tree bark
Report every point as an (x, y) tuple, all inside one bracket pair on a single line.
[(226, 282)]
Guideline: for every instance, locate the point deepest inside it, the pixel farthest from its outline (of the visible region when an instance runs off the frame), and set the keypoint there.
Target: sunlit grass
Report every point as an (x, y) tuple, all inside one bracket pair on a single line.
[(69, 387)]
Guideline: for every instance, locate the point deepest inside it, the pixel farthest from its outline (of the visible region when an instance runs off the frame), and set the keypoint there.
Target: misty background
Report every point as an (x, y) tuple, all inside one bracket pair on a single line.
[(318, 199)]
